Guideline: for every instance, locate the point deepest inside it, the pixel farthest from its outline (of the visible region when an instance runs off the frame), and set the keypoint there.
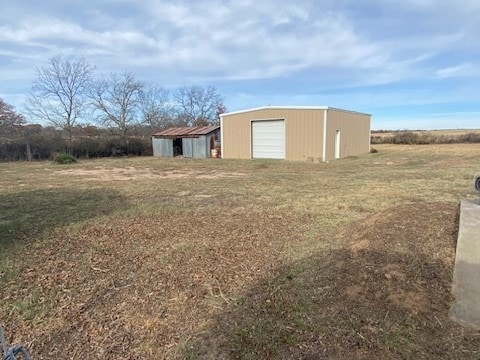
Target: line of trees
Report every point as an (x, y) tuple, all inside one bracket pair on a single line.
[(23, 141), (424, 138), (67, 97)]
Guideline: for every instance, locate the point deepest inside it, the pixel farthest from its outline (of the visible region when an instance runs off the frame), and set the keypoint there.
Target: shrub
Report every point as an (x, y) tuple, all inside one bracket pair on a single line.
[(64, 159), (139, 146), (470, 138), (85, 147), (406, 138)]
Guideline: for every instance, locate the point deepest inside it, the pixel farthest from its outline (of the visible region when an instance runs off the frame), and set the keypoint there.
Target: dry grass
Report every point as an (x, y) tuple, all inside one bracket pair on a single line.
[(176, 258)]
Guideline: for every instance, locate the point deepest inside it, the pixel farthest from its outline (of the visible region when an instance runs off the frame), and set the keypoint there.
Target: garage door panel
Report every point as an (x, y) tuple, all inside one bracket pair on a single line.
[(268, 139)]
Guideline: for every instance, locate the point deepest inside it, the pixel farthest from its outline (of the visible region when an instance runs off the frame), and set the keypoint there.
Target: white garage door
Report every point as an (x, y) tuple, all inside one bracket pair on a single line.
[(268, 139)]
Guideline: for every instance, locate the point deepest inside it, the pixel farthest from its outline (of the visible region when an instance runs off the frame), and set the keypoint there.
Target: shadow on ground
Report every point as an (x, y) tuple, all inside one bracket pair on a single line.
[(128, 289), (25, 214), (385, 294)]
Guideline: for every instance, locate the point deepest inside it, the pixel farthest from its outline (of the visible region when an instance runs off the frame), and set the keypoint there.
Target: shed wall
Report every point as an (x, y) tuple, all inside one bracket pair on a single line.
[(354, 133), (303, 133), (162, 147), (192, 147), (208, 143), (200, 147), (187, 147)]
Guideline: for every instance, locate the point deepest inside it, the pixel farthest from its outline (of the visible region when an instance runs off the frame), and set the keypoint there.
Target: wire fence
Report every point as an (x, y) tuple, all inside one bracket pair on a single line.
[(11, 352)]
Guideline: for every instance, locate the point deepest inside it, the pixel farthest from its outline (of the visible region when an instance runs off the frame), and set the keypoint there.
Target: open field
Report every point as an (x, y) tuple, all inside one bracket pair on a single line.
[(214, 259)]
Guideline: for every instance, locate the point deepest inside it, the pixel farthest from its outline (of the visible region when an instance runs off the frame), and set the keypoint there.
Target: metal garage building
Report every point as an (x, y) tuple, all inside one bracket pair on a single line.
[(317, 133), (190, 142)]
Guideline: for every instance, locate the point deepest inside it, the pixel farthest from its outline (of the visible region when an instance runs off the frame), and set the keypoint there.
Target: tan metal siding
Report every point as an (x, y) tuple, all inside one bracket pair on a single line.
[(303, 132), (354, 132), (304, 135), (236, 136)]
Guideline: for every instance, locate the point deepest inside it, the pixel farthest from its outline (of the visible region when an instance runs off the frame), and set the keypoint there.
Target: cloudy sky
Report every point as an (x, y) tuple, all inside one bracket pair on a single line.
[(413, 64)]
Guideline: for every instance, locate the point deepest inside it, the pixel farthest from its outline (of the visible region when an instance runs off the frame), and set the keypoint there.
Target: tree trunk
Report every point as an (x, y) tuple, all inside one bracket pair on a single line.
[(70, 146), (125, 139), (29, 153)]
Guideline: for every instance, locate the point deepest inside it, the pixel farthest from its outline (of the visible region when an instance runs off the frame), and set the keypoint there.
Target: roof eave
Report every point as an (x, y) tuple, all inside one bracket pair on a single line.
[(276, 108), (290, 108), (180, 132)]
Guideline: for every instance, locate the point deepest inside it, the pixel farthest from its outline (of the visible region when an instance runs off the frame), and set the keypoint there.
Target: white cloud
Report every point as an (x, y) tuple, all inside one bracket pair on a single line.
[(229, 40), (50, 31), (457, 71), (249, 42), (334, 44)]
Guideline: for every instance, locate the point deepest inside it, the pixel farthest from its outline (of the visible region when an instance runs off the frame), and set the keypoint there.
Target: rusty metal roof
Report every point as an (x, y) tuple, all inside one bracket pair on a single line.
[(186, 131)]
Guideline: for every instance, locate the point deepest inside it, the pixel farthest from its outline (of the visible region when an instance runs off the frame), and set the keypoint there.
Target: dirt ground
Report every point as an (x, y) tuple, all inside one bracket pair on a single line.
[(132, 174), (236, 260), (368, 299), (136, 298)]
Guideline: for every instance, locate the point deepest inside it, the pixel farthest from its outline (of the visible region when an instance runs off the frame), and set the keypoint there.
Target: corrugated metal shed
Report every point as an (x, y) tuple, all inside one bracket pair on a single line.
[(186, 131), (190, 142)]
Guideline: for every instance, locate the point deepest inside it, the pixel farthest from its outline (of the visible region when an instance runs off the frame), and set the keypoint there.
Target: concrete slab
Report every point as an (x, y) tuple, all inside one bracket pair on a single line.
[(465, 308)]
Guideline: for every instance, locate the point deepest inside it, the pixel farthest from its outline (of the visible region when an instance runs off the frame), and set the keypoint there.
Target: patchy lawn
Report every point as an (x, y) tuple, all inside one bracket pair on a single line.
[(210, 259)]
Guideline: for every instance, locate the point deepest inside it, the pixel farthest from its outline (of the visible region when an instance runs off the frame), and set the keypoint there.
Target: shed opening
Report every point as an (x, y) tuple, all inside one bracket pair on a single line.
[(177, 147)]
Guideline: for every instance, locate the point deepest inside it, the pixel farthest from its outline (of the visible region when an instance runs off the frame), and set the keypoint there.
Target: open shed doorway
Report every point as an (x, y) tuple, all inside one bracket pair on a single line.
[(177, 147)]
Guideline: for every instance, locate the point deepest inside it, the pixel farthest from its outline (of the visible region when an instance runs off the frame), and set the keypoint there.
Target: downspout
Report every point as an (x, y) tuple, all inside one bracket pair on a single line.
[(324, 154)]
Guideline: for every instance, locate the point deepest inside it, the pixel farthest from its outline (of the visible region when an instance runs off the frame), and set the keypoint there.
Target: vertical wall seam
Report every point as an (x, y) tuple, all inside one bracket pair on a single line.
[(324, 152), (221, 138)]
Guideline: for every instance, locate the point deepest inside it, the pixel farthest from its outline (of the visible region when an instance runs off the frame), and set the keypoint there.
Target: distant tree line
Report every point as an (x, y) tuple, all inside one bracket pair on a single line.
[(89, 116), (37, 142), (422, 138)]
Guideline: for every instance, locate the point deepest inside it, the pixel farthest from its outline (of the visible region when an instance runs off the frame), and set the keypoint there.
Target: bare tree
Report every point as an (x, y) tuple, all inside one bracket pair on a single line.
[(117, 100), (198, 105), (156, 109), (8, 115), (10, 121), (59, 93)]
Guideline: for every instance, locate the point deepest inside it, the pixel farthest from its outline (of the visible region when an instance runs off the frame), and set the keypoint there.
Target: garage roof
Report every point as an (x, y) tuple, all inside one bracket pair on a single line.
[(290, 108), (186, 131)]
